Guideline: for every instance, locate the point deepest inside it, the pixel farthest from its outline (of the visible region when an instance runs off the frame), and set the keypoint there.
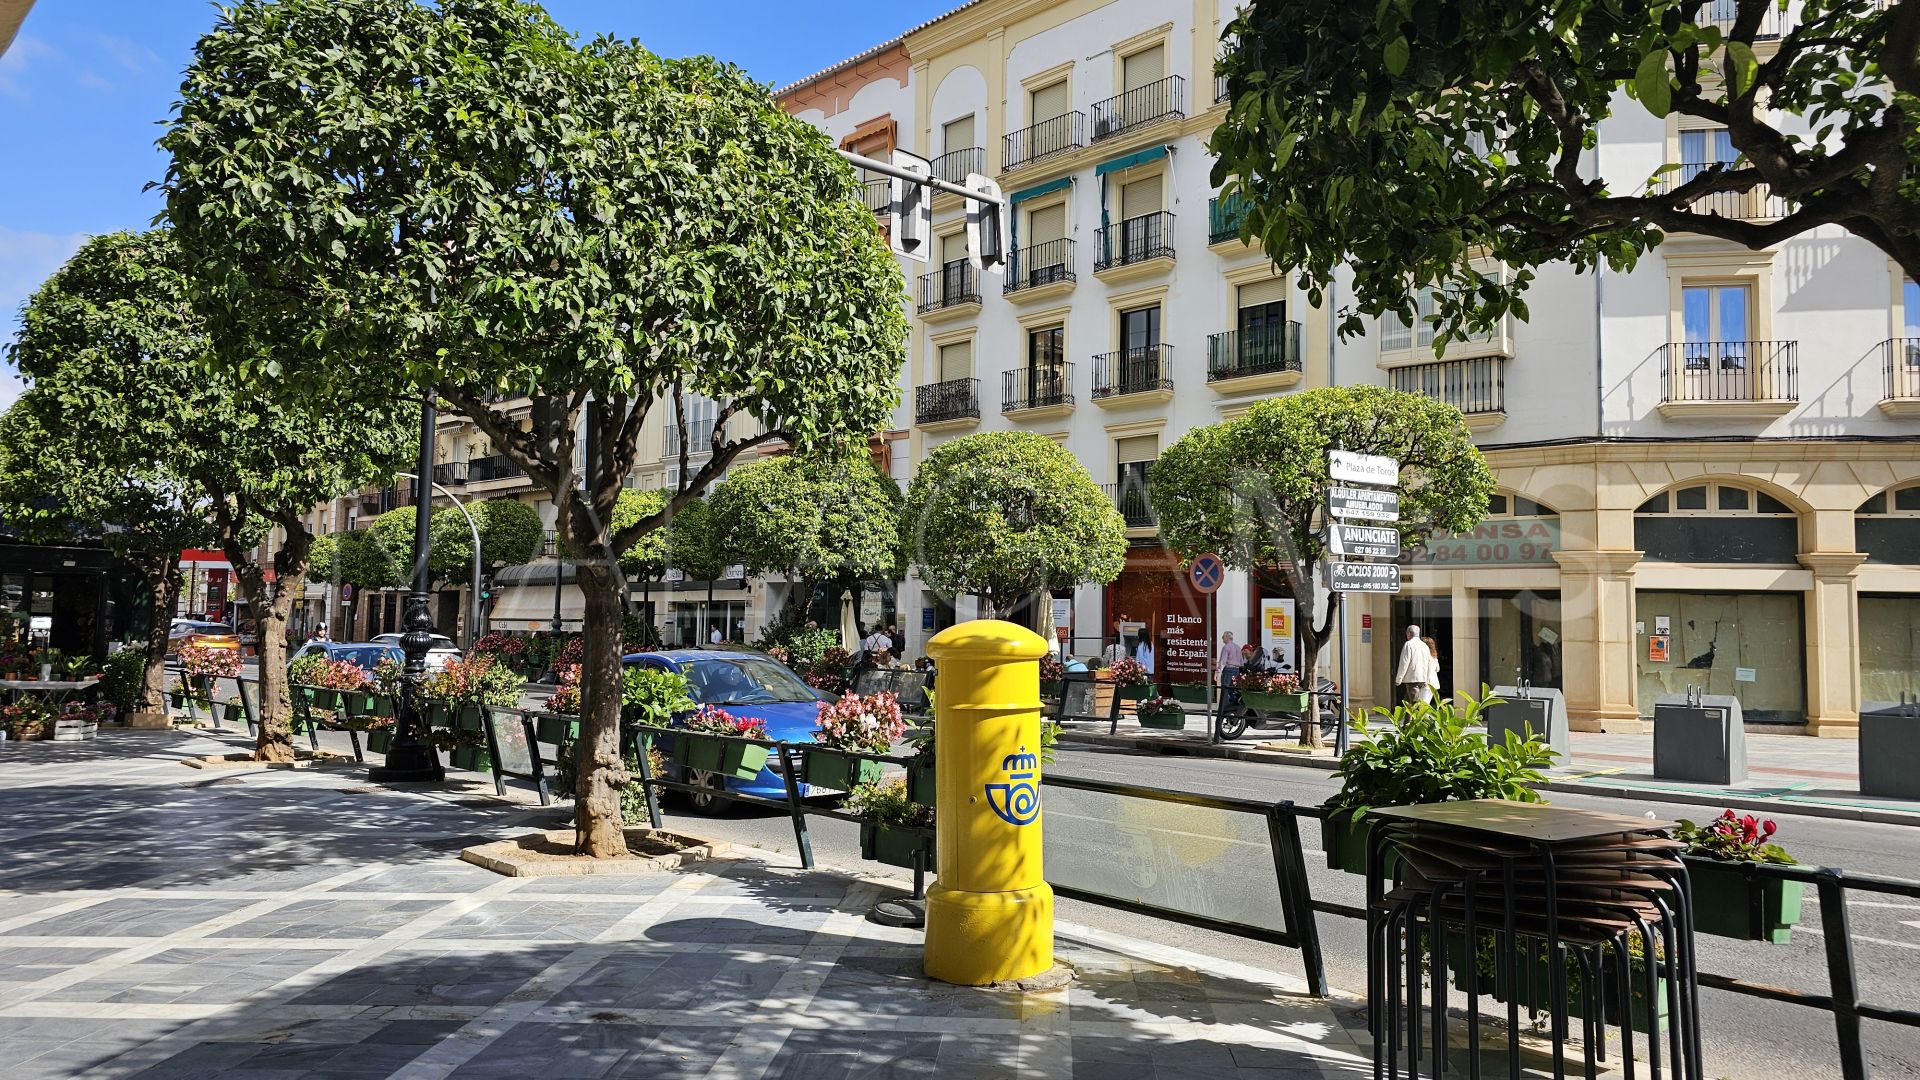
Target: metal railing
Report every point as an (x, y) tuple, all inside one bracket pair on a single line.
[(1219, 89), (1476, 387), (1224, 217), (1051, 136), (1758, 203), (1254, 351), (1902, 368), (1774, 23), (699, 436), (1164, 99), (450, 473), (1039, 264), (1137, 239), (876, 194), (1036, 387), (954, 399), (1132, 371), (1730, 371), (954, 284), (954, 165), (1130, 498), (496, 467)]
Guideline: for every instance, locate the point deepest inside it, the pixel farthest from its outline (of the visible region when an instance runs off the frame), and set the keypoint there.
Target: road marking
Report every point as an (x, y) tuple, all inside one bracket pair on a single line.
[(1869, 903), (1871, 940)]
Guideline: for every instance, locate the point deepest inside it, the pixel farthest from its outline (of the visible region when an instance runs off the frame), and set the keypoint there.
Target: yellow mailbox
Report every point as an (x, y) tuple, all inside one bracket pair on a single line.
[(990, 914)]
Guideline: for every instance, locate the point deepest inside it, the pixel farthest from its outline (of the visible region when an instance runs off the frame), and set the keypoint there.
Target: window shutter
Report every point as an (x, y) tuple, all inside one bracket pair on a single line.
[(1136, 448), (956, 361), (1049, 223), (953, 248), (1049, 102), (1271, 291), (959, 135), (1143, 67), (1140, 197)]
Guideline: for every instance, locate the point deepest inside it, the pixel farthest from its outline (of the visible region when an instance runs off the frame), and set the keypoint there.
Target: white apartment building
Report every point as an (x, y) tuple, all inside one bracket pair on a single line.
[(1708, 468)]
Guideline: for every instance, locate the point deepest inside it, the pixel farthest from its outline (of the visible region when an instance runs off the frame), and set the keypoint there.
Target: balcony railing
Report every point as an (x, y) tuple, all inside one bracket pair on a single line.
[(1224, 217), (1757, 204), (1260, 350), (1052, 136), (1143, 105), (1774, 23), (1476, 387), (953, 284), (1134, 240), (497, 467), (1130, 498), (1132, 371), (954, 165), (699, 436), (1039, 264), (876, 194), (1903, 368), (450, 473), (1036, 387), (1730, 371), (955, 399), (1219, 89)]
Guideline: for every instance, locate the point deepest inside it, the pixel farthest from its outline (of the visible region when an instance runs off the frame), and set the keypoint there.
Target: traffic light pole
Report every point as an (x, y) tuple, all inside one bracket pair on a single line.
[(888, 169)]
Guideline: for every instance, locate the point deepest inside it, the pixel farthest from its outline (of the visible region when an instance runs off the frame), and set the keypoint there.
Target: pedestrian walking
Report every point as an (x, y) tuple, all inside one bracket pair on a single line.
[(1226, 667), (1417, 673), (1143, 651), (714, 636)]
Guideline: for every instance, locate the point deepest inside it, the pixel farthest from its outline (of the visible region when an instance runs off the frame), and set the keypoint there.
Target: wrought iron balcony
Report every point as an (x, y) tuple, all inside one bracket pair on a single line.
[(1732, 371), (1224, 216), (1758, 203), (1219, 89), (1903, 368), (1162, 100), (876, 194), (954, 165), (1774, 23), (699, 436), (1135, 240), (1051, 136), (1036, 387), (1262, 350), (497, 467), (1132, 371), (1476, 387), (955, 399), (1039, 264), (1130, 498), (950, 286), (450, 473)]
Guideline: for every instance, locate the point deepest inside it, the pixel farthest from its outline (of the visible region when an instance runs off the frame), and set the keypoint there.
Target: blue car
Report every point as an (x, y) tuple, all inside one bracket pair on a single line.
[(744, 684)]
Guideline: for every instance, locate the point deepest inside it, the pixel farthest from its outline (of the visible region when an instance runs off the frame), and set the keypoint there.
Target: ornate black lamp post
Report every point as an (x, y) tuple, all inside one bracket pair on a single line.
[(411, 760)]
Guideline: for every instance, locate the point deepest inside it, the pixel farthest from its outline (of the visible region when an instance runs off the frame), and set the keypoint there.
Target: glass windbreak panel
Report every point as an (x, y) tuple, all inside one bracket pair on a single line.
[(1213, 863), (1889, 651), (1749, 645), (1520, 638)]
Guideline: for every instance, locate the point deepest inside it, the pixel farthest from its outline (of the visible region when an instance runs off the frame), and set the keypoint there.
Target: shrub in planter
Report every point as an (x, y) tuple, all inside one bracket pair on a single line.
[(1161, 712), (1271, 691), (125, 678), (1427, 756), (711, 743), (870, 724), (890, 823), (27, 720), (1129, 678), (1053, 675), (1723, 888)]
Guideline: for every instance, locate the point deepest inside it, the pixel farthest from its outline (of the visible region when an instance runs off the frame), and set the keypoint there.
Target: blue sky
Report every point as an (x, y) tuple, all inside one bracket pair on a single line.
[(87, 81)]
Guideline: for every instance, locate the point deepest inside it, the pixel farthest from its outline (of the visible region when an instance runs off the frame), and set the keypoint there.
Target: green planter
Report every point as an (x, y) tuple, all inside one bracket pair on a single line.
[(379, 742), (475, 758), (1723, 904), (1346, 844), (1192, 693), (468, 719), (559, 730), (1286, 703), (841, 773), (921, 787), (328, 700), (1050, 688), (179, 699), (892, 845), (1534, 992), (715, 754), (1168, 719), (1134, 691), (381, 705), (437, 715)]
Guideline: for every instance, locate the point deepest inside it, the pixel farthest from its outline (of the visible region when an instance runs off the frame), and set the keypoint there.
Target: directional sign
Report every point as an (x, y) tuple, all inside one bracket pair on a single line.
[(1362, 468), (1207, 573), (1364, 541), (1363, 577), (1366, 504)]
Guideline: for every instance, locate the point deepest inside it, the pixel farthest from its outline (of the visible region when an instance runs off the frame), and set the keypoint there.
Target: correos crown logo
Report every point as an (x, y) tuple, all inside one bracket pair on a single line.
[(1018, 800)]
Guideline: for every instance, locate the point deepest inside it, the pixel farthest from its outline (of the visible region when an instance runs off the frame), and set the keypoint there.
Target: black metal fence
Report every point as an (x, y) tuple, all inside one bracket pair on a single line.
[(954, 165), (1260, 350), (1902, 363), (954, 284), (1730, 371), (1476, 387), (1130, 498), (955, 399), (497, 467), (1039, 264), (1051, 136), (877, 195), (1137, 239), (1757, 203), (1036, 387), (1132, 371), (1164, 99), (1224, 216)]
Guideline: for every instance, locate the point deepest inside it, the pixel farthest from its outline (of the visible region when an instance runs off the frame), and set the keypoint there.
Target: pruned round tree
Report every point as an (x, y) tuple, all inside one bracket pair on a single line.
[(1409, 140), (1254, 489), (489, 212), (510, 535), (1008, 515)]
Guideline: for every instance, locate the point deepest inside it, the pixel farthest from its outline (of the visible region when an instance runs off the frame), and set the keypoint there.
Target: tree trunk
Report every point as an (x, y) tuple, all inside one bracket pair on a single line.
[(275, 739), (1312, 640), (163, 585), (601, 770)]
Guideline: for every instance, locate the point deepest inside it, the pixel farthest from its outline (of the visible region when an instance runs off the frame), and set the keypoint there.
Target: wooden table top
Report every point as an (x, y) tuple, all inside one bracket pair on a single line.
[(1537, 822)]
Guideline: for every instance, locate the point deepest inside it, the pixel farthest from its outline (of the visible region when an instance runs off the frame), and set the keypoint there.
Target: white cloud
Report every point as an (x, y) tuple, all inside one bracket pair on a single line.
[(127, 52), (26, 260), (21, 57)]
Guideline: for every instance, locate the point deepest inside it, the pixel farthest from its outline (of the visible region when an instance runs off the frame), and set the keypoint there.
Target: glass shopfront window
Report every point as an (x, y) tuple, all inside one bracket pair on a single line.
[(1749, 645), (1889, 650), (1520, 638)]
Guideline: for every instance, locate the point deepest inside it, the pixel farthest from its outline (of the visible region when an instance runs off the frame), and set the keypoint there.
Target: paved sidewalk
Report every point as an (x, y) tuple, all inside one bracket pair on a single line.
[(163, 922)]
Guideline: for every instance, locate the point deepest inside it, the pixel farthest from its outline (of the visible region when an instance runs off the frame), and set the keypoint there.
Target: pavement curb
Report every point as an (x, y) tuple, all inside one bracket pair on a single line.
[(1232, 752)]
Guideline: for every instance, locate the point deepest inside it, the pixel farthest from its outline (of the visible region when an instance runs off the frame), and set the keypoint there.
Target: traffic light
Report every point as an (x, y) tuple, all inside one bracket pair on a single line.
[(486, 590), (910, 209), (986, 225)]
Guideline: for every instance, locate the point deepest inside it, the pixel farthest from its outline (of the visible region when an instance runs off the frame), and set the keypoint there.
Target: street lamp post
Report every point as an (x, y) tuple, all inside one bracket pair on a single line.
[(411, 760), (473, 620)]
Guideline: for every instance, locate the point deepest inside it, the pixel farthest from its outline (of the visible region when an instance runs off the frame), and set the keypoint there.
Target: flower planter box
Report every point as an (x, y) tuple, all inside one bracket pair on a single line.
[(381, 705), (728, 757), (29, 733), (1168, 719), (1535, 993), (921, 787), (893, 845), (1051, 688), (1723, 904), (322, 698), (356, 702), (380, 741), (1283, 703), (475, 758), (437, 715), (74, 730), (468, 719), (1192, 693), (558, 730), (1134, 691), (841, 773), (1346, 844)]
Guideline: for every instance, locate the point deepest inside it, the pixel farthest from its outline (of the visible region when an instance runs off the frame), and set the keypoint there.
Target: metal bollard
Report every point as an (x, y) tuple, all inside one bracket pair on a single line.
[(990, 914)]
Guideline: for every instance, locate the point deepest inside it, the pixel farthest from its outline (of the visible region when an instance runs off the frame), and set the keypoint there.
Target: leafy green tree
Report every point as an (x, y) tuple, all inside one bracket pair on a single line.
[(697, 547), (510, 535), (813, 517), (1252, 488), (60, 480), (487, 209), (1007, 515), (1404, 139), (352, 557), (115, 339)]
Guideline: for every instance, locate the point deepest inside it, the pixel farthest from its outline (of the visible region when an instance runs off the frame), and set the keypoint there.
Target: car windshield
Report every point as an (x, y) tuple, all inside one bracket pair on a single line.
[(745, 680), (365, 657)]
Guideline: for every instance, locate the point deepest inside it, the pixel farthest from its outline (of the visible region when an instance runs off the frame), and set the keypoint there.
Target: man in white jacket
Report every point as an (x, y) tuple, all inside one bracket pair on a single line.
[(1417, 673)]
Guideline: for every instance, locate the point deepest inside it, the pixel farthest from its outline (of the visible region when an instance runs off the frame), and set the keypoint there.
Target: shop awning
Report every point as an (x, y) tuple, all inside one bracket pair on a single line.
[(1151, 153), (530, 607), (1038, 190)]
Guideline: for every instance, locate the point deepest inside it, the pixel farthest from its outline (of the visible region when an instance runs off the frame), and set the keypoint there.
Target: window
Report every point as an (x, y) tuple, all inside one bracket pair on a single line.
[(1701, 147), (958, 134), (956, 279), (1047, 102), (1046, 374), (1046, 236), (1140, 328), (1717, 523), (1887, 527), (1501, 506), (1135, 456), (1397, 334), (956, 361), (1140, 198), (701, 413), (1144, 68), (1263, 305), (1910, 302), (1717, 319)]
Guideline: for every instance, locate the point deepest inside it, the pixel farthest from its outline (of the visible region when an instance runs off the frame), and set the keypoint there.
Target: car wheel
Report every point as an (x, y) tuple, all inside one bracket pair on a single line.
[(710, 799)]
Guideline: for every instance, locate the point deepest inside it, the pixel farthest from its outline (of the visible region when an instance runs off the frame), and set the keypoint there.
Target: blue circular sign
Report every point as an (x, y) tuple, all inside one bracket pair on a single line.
[(1207, 573)]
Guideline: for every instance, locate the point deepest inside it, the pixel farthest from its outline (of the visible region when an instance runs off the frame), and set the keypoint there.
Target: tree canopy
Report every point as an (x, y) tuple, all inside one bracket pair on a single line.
[(1009, 514), (510, 534), (812, 516), (1411, 139)]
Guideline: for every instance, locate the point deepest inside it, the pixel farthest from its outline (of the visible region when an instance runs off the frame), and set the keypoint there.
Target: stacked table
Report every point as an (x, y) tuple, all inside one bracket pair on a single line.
[(1573, 912)]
